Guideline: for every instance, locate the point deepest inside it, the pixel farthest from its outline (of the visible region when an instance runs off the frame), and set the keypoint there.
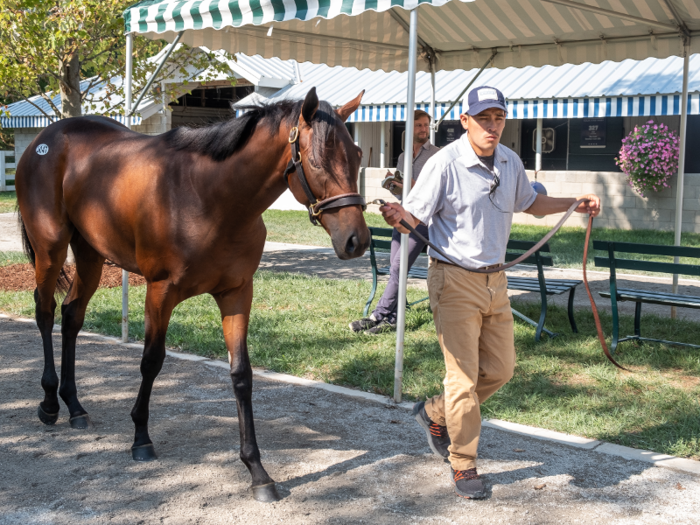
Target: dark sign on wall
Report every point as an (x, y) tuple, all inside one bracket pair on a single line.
[(593, 133)]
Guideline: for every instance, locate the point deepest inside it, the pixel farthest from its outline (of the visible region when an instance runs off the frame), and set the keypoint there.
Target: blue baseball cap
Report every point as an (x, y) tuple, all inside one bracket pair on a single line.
[(482, 98)]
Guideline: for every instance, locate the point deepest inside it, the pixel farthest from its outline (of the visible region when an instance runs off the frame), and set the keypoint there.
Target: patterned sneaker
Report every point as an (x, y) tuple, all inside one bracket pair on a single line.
[(438, 439), (383, 326), (363, 324), (468, 484)]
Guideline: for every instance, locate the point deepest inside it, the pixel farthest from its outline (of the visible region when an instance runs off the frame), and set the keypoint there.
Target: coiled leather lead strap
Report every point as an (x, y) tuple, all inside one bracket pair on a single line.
[(598, 327)]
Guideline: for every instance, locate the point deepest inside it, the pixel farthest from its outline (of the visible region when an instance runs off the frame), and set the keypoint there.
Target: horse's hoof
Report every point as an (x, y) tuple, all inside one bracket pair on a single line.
[(82, 422), (47, 419), (266, 493), (144, 453)]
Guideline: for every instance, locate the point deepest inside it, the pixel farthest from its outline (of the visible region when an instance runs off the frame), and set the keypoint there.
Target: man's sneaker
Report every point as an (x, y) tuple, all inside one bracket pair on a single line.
[(382, 326), (468, 484), (363, 324), (438, 439)]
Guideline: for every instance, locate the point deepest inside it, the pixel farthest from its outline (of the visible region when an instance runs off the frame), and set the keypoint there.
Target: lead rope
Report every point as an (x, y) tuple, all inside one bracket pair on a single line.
[(598, 327)]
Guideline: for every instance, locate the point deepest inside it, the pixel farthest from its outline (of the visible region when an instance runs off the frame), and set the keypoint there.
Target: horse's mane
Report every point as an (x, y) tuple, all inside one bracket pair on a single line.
[(222, 139)]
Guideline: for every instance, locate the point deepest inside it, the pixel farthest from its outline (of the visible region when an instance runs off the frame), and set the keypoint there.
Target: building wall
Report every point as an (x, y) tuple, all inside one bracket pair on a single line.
[(622, 207), (155, 124), (23, 138)]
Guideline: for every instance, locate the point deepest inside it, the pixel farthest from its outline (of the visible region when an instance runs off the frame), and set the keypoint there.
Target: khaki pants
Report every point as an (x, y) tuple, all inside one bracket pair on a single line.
[(474, 326)]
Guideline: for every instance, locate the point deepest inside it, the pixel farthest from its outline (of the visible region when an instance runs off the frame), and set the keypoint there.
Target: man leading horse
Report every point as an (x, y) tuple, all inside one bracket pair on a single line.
[(467, 195)]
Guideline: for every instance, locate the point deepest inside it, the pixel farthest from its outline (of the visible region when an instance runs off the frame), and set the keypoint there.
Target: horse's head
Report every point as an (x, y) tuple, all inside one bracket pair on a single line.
[(330, 165)]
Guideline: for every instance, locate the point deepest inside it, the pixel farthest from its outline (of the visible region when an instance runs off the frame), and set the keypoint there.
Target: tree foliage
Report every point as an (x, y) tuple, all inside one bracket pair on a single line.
[(52, 47)]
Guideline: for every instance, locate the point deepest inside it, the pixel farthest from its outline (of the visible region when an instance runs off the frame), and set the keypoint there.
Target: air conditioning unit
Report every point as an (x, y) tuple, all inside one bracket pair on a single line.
[(549, 136)]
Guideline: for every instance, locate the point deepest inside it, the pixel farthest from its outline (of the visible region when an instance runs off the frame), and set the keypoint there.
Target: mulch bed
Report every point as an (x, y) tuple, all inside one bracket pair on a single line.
[(19, 277)]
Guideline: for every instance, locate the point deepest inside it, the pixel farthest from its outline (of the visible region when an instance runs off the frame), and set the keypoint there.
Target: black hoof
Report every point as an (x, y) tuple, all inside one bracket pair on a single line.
[(47, 419), (266, 493), (82, 422), (144, 453)]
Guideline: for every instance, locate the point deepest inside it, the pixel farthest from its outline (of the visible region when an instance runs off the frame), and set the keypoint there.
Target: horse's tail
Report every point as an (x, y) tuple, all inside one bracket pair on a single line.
[(64, 282)]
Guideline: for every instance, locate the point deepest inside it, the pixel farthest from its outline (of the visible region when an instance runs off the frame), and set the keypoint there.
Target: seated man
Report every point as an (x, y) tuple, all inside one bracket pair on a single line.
[(384, 316)]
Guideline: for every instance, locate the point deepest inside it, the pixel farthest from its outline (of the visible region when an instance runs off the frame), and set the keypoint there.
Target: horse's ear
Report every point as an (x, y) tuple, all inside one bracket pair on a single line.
[(349, 108), (308, 109)]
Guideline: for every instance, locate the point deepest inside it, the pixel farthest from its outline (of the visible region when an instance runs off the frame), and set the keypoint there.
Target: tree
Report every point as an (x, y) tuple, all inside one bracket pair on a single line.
[(71, 47)]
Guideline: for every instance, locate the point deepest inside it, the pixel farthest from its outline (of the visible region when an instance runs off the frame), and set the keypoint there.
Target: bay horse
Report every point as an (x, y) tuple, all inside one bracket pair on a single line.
[(184, 210)]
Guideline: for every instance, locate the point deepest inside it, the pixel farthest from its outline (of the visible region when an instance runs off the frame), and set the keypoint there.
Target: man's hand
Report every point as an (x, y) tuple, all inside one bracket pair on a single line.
[(393, 215), (591, 207)]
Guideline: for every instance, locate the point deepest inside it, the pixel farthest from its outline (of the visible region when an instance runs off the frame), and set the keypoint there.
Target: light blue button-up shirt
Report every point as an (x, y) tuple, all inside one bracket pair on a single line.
[(452, 198)]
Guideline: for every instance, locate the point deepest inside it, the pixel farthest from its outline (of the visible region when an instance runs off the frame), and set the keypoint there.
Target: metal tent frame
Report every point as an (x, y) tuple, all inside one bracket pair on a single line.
[(270, 28)]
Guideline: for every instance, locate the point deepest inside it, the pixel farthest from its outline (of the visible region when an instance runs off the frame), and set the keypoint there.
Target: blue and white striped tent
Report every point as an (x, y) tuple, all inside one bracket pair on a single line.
[(33, 113), (629, 88)]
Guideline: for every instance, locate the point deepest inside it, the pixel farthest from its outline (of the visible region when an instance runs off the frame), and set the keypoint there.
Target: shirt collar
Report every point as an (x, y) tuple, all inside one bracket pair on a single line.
[(471, 159)]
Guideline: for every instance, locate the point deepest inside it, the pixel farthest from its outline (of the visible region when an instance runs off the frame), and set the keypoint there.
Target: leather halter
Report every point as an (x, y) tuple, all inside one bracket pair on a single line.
[(315, 206)]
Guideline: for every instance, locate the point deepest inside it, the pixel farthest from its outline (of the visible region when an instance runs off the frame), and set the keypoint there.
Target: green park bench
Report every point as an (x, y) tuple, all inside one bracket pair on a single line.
[(381, 239), (640, 297)]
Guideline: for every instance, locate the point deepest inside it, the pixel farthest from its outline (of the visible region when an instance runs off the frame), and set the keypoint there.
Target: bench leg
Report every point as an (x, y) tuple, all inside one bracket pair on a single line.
[(638, 319), (616, 323), (531, 322), (371, 294), (543, 315), (572, 321)]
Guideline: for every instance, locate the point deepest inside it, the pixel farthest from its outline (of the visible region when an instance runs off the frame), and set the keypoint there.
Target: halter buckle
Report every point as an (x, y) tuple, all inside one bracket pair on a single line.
[(313, 211), (293, 135)]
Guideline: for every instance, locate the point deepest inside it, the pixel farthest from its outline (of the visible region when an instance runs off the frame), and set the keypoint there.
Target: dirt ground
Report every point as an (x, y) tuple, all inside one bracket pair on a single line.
[(336, 459), (18, 277)]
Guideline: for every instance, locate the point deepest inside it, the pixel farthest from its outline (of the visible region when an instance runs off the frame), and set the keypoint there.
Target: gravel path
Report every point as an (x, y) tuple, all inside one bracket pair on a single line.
[(337, 459)]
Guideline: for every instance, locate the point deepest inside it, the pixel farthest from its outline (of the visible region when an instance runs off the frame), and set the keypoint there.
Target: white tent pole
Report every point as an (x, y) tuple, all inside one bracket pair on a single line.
[(358, 137), (407, 177), (538, 148), (432, 102), (382, 144), (681, 161), (127, 104)]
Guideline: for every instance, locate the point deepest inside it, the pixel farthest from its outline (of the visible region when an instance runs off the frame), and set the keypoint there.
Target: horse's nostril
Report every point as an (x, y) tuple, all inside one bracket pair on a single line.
[(352, 244)]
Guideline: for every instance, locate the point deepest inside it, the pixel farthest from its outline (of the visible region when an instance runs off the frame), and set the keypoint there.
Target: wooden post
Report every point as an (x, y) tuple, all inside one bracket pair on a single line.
[(2, 171)]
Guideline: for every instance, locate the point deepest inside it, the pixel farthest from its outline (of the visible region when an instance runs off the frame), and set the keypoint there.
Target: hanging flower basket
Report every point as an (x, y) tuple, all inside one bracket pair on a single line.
[(649, 157)]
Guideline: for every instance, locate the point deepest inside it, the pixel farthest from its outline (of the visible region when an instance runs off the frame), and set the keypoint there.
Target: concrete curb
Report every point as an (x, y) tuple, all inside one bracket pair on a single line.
[(632, 454)]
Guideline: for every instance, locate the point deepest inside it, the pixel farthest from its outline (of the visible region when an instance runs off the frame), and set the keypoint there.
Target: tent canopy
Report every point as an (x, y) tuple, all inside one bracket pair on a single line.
[(458, 34)]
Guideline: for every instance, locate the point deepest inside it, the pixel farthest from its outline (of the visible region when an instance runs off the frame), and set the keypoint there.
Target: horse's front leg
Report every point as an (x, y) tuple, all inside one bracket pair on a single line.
[(161, 299), (235, 314)]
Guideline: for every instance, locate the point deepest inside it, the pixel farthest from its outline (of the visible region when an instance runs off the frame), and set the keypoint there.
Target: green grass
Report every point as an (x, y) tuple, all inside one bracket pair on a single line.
[(294, 227), (8, 200), (566, 245), (299, 326), (8, 258)]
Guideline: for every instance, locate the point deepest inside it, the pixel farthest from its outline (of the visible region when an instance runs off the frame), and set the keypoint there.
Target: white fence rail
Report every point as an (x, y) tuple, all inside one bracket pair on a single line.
[(7, 170)]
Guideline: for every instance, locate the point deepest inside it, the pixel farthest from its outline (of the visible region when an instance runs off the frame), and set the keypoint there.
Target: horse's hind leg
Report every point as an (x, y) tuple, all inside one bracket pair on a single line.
[(235, 314), (50, 253), (88, 269), (161, 298)]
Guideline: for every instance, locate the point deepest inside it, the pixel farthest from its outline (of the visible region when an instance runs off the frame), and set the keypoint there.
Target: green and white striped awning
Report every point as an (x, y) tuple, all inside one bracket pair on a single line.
[(462, 34)]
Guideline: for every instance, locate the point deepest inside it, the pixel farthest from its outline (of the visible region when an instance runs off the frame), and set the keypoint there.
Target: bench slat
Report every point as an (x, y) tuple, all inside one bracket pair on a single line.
[(546, 260), (381, 232), (639, 296), (648, 249), (649, 266), (514, 244), (658, 295), (383, 245)]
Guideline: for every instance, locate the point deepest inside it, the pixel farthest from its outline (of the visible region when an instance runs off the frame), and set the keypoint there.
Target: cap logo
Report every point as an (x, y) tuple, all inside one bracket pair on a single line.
[(487, 94)]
